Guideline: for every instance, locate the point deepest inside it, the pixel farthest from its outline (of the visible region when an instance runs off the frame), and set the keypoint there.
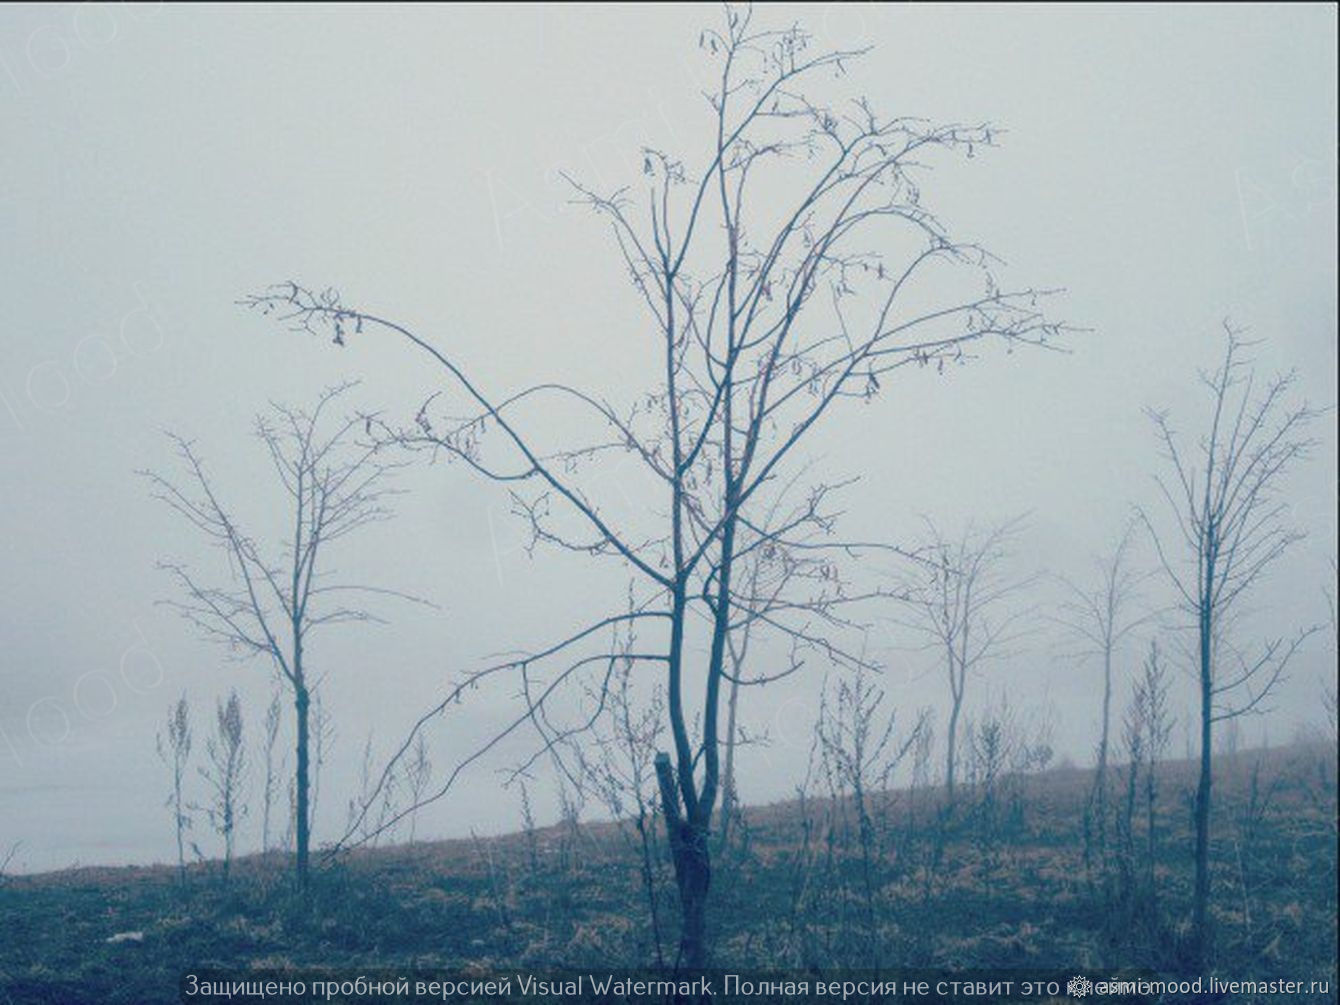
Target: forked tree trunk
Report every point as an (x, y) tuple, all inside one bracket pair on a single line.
[(692, 859)]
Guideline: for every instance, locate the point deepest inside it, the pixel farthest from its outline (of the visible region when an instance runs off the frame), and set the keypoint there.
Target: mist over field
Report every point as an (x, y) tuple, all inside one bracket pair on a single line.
[(539, 312)]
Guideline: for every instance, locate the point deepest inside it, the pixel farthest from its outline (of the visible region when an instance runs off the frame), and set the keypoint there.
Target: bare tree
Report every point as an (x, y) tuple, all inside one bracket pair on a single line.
[(956, 601), (1229, 525), (274, 599), (1151, 701), (860, 749), (174, 749), (1102, 618), (224, 771), (1145, 731), (789, 272), (1002, 746), (274, 766), (1133, 740)]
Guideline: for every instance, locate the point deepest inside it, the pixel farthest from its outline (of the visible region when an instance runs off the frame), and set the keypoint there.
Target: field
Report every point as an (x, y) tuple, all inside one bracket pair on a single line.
[(817, 884)]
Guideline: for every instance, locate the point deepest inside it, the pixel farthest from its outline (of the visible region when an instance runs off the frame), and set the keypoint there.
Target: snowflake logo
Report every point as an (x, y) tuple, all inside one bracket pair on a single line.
[(1078, 987)]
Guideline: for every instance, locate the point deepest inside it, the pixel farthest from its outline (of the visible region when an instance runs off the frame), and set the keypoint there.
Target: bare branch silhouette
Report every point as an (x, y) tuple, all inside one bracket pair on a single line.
[(1228, 525), (760, 318), (273, 600)]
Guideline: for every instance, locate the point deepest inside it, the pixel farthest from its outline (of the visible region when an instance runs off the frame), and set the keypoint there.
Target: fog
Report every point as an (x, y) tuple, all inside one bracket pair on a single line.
[(1169, 168)]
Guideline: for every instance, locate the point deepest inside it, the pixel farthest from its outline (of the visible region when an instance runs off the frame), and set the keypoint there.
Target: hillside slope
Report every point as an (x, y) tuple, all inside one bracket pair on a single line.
[(998, 882)]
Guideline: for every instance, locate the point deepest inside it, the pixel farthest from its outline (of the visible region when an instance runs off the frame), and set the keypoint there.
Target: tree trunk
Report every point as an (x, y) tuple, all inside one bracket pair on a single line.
[(1201, 901), (302, 702), (181, 825), (1100, 782), (951, 741), (1151, 837), (693, 873), (693, 868), (1098, 795)]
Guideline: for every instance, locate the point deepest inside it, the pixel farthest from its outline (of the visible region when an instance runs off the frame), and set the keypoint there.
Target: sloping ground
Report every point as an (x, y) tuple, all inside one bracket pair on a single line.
[(1001, 881)]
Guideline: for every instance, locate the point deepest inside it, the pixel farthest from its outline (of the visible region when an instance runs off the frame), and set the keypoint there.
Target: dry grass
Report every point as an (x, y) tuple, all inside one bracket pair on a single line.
[(964, 890)]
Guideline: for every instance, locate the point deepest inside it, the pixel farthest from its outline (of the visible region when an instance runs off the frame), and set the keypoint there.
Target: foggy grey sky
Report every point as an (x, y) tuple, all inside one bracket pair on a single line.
[(1168, 166)]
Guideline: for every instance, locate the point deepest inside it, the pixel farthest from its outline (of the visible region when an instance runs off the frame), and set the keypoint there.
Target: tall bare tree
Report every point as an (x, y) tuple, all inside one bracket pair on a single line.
[(1229, 524), (956, 599), (795, 268), (274, 599), (1102, 615)]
